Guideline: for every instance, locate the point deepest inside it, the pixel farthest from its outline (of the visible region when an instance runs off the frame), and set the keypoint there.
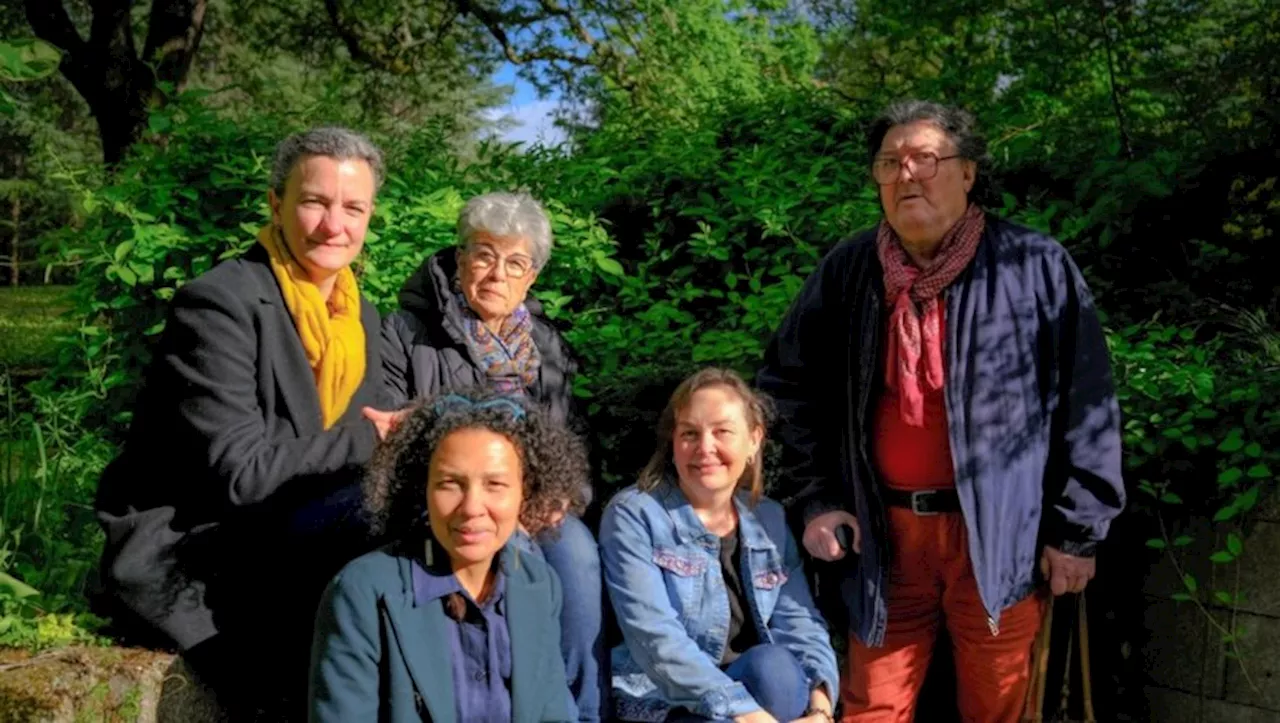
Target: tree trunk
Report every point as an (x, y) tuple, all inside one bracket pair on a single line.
[(17, 240), (117, 83)]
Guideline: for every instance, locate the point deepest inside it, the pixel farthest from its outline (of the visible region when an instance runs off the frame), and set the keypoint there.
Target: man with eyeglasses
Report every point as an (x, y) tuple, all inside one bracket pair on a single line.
[(945, 400)]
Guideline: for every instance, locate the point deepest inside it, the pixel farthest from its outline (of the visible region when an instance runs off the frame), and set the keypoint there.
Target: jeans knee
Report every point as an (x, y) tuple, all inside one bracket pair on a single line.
[(572, 550), (775, 679)]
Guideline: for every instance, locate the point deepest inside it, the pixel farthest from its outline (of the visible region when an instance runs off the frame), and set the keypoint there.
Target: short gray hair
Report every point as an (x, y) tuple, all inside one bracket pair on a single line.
[(331, 141), (957, 123), (502, 214)]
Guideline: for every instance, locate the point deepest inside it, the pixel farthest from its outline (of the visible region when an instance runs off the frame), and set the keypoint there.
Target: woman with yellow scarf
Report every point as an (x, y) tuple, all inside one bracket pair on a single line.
[(236, 497)]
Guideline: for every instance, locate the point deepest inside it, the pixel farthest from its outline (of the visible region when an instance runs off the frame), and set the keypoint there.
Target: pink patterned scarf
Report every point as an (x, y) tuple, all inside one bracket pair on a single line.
[(911, 293)]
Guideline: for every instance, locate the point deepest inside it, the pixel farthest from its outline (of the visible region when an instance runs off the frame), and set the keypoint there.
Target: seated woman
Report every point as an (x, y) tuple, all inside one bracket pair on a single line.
[(449, 622), (237, 494), (706, 579), (466, 319)]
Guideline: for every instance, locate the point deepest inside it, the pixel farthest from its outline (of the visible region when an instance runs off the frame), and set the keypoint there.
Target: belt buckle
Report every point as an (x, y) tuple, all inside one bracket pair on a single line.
[(916, 505)]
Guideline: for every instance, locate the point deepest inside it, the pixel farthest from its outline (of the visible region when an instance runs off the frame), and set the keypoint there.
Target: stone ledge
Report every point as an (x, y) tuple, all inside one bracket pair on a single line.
[(122, 685)]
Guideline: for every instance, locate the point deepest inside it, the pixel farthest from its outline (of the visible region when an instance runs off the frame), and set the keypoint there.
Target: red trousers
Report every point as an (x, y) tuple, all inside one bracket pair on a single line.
[(931, 583)]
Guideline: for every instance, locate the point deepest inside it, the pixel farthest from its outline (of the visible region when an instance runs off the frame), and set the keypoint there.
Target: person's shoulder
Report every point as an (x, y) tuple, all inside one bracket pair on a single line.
[(1029, 241), (850, 248), (526, 571), (233, 280), (371, 573), (633, 500)]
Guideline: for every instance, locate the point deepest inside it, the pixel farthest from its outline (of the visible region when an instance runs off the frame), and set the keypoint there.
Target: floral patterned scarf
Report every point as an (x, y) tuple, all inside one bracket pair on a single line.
[(509, 358)]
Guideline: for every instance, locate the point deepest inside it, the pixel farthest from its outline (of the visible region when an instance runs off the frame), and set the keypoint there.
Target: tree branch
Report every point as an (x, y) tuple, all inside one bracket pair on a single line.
[(112, 28), (50, 22), (173, 38), (493, 22), (575, 23)]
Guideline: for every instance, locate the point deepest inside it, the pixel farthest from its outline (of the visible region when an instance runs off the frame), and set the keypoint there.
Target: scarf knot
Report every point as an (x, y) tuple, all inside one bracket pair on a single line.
[(914, 351)]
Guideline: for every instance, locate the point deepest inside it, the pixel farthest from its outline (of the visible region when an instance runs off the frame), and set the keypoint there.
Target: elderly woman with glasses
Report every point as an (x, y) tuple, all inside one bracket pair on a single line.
[(466, 319), (946, 399)]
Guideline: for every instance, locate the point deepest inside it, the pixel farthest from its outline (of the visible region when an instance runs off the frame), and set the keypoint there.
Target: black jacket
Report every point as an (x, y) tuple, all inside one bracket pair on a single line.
[(424, 351), (228, 498)]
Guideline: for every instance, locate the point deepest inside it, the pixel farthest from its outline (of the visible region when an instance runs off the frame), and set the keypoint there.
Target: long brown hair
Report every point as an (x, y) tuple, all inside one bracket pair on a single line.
[(755, 405)]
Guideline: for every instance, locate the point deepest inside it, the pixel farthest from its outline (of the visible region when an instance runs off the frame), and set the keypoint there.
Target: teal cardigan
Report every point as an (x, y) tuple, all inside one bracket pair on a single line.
[(376, 656)]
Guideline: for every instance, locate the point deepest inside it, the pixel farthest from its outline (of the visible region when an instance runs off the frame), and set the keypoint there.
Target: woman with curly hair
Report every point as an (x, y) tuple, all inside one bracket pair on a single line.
[(422, 628)]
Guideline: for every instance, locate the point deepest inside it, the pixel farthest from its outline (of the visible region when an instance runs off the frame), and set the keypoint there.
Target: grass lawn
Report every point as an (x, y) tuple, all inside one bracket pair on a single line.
[(30, 319)]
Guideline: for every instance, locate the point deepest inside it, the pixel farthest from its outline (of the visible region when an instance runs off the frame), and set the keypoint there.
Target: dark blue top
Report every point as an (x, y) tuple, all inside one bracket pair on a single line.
[(479, 646), (1032, 413)]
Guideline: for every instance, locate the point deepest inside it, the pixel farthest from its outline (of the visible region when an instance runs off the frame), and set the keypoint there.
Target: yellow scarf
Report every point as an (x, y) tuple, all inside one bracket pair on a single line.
[(331, 333)]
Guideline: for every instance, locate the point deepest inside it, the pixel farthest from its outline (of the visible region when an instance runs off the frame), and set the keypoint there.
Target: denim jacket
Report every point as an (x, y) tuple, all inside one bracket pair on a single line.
[(662, 570)]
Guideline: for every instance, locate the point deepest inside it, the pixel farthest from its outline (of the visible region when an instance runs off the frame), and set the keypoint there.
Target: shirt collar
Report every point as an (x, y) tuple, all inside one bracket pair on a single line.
[(434, 581)]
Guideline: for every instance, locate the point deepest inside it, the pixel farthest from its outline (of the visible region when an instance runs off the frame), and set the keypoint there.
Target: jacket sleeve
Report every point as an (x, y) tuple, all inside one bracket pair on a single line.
[(560, 707), (345, 655), (396, 365), (1084, 485), (801, 378), (657, 640), (797, 625), (210, 359)]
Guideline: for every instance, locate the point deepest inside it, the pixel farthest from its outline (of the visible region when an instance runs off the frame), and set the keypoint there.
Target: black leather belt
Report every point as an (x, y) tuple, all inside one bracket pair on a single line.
[(923, 502)]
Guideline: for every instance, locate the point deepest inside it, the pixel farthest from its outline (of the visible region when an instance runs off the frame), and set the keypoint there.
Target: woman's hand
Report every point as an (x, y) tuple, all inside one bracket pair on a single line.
[(384, 422), (820, 535), (755, 716), (820, 710)]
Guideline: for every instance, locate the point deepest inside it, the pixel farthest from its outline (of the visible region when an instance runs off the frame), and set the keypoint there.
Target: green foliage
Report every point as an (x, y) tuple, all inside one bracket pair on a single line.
[(49, 541), (24, 59), (719, 159), (31, 320), (1200, 443)]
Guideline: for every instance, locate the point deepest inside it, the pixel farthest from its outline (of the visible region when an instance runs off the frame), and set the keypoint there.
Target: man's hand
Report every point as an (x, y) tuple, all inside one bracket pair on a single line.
[(820, 535), (384, 422), (1066, 573)]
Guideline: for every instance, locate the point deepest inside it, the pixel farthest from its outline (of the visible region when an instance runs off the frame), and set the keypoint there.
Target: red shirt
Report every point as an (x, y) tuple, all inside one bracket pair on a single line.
[(912, 458)]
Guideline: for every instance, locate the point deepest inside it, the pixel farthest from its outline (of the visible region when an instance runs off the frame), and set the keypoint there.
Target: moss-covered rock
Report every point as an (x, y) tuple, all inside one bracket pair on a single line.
[(102, 685)]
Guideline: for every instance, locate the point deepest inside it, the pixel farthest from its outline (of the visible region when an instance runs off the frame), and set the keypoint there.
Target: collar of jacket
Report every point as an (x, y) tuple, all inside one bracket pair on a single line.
[(428, 293), (415, 628), (689, 528)]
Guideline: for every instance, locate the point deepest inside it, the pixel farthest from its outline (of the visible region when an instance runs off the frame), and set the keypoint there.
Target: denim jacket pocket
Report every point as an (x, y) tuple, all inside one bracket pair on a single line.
[(683, 570), (767, 578), (770, 579)]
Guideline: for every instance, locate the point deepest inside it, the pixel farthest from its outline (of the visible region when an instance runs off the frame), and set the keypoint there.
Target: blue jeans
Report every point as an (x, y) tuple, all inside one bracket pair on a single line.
[(573, 554), (773, 676)]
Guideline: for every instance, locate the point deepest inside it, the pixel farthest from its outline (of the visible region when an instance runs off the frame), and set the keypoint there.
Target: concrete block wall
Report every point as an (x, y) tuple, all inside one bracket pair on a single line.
[(1193, 676)]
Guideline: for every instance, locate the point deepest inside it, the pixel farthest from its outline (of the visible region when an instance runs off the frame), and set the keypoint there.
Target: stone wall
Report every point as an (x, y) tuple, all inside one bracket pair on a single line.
[(1193, 676)]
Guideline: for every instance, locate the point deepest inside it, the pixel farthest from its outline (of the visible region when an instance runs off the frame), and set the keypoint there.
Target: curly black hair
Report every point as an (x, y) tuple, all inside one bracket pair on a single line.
[(553, 460)]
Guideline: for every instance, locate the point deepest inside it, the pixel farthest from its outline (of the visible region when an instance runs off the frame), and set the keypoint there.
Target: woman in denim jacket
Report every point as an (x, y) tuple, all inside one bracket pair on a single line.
[(705, 578)]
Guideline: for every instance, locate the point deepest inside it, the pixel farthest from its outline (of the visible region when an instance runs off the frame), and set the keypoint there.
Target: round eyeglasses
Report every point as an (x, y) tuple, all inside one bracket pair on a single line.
[(924, 166), (484, 258)]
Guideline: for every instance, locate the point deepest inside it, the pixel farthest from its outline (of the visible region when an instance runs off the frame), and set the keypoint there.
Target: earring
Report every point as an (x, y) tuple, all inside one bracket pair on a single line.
[(430, 548)]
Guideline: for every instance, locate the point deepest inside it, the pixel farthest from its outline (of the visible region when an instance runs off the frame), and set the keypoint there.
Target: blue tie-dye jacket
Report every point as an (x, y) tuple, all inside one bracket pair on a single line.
[(1031, 406)]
